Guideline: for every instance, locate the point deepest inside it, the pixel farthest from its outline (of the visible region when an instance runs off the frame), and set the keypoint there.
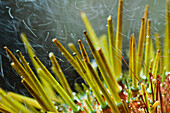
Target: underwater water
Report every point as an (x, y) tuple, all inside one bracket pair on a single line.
[(42, 20)]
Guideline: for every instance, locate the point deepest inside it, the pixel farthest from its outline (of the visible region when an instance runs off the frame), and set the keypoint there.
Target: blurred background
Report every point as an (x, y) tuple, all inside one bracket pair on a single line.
[(42, 20)]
